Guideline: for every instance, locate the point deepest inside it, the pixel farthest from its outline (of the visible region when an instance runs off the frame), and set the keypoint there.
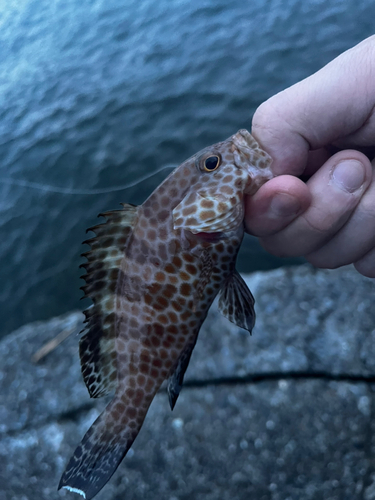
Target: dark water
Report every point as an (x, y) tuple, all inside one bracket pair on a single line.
[(96, 94)]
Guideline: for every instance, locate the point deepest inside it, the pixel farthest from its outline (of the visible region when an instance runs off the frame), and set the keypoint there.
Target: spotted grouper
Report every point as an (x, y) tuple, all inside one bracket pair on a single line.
[(153, 272)]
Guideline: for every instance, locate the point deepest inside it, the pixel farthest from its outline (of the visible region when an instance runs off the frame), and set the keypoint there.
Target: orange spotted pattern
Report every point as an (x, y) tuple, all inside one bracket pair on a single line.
[(178, 252)]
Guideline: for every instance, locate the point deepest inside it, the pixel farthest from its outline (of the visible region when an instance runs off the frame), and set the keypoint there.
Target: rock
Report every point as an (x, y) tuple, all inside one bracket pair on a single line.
[(285, 414), (307, 320)]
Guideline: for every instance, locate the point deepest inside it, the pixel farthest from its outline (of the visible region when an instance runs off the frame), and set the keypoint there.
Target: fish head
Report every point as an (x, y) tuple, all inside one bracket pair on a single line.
[(223, 173)]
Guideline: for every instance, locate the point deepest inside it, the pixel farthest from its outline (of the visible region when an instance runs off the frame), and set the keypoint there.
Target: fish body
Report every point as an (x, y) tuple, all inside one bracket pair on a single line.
[(153, 272)]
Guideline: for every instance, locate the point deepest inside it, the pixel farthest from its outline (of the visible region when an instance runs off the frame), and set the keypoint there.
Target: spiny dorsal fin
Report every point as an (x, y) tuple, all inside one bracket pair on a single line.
[(236, 302), (97, 345)]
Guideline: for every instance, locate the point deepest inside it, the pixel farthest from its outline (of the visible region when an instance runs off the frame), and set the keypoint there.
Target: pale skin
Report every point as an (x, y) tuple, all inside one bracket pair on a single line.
[(322, 128)]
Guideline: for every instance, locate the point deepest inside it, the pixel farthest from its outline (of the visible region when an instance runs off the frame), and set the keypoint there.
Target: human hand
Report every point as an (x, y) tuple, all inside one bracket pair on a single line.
[(330, 219)]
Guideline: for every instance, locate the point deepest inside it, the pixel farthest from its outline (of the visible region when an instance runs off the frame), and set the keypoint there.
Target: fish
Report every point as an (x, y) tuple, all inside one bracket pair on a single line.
[(152, 273)]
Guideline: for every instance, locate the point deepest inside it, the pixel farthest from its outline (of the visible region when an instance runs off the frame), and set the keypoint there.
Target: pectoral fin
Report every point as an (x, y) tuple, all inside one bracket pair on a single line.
[(236, 302)]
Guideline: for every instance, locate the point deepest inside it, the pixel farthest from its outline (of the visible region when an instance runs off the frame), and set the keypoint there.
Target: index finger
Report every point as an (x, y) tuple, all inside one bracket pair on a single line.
[(334, 103)]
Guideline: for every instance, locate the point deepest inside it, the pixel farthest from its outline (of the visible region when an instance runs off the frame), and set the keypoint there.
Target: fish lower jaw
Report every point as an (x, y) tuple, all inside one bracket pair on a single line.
[(257, 181)]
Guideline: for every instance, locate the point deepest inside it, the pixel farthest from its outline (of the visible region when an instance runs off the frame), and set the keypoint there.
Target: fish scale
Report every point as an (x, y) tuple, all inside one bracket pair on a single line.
[(153, 272)]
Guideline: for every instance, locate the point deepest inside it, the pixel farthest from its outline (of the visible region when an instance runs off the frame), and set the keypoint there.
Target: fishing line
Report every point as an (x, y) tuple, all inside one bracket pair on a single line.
[(62, 190)]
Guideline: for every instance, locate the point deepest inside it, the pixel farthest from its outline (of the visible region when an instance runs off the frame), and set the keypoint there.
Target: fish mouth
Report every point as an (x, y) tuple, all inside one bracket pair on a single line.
[(243, 139), (249, 156)]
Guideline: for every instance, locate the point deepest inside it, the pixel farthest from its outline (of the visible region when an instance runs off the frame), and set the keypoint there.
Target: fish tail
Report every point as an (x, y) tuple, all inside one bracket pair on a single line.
[(102, 448)]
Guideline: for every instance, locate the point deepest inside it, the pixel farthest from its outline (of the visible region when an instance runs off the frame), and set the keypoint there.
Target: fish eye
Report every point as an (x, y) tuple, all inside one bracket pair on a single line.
[(211, 163)]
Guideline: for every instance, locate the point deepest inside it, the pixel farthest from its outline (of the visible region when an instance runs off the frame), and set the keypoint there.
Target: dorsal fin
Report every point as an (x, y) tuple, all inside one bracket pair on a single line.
[(97, 344)]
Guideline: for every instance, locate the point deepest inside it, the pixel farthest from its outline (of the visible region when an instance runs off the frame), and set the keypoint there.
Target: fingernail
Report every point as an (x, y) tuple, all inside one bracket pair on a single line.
[(349, 175), (284, 205)]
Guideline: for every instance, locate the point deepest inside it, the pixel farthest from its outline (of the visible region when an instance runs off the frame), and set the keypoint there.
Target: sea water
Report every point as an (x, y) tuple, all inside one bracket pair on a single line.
[(96, 94)]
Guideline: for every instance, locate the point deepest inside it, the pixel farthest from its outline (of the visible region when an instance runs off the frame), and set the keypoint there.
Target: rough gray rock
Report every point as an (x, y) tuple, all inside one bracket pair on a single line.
[(284, 415), (307, 320)]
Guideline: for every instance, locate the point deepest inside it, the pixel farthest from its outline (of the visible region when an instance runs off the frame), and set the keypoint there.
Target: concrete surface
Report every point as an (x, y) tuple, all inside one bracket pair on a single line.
[(285, 414)]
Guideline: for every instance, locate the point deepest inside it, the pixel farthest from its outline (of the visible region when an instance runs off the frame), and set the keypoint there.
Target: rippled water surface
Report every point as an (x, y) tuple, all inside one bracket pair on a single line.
[(97, 94)]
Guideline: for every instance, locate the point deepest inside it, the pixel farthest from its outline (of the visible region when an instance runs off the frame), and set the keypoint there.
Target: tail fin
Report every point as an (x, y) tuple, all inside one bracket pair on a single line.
[(101, 450)]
